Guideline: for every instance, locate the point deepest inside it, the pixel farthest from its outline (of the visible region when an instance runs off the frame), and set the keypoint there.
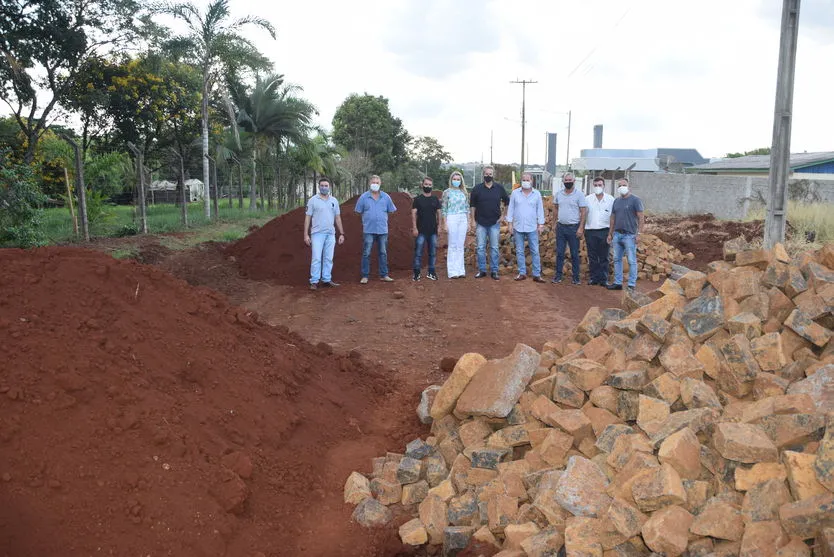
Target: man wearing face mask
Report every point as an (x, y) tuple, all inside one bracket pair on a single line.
[(625, 226), (596, 232), (487, 214), (425, 214), (322, 213), (374, 206), (525, 220), (571, 210)]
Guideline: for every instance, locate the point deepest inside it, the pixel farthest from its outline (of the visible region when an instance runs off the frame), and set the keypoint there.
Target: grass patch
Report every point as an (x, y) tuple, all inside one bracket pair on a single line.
[(120, 220), (812, 223), (124, 253)]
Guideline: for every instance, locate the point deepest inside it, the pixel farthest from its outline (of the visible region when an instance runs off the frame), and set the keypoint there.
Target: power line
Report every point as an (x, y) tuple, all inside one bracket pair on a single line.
[(523, 83)]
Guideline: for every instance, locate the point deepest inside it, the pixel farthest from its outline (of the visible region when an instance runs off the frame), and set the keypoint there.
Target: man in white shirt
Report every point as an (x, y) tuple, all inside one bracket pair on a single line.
[(596, 232)]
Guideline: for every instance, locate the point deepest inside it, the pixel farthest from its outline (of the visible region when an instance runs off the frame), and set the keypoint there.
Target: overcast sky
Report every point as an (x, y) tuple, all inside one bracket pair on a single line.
[(655, 73)]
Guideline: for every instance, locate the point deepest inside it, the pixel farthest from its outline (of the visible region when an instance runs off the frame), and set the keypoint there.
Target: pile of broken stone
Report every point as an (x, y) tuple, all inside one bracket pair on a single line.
[(697, 420)]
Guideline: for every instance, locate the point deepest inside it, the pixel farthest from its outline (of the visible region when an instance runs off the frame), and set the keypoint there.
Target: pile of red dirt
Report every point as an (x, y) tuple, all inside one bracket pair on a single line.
[(702, 235), (143, 416), (276, 251)]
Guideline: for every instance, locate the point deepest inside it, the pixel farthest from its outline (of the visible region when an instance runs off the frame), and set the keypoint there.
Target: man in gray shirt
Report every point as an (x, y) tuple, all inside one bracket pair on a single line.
[(322, 213), (571, 211), (623, 232)]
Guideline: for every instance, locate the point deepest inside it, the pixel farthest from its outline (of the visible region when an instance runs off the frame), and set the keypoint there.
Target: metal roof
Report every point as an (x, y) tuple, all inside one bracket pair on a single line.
[(762, 162)]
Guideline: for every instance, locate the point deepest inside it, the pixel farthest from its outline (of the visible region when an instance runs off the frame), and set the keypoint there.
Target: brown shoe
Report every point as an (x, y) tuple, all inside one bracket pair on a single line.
[(538, 279), (314, 287), (520, 277)]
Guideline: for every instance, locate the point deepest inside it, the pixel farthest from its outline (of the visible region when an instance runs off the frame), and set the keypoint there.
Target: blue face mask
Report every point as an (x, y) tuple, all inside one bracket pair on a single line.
[(456, 183), (324, 190)]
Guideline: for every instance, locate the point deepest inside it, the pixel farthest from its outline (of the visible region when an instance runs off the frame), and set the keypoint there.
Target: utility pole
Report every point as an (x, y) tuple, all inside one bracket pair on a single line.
[(567, 155), (524, 83), (780, 152), (490, 147)]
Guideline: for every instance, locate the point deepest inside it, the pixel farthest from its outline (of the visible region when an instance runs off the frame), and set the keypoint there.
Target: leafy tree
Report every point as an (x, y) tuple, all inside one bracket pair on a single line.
[(20, 205), (365, 123), (430, 156), (214, 43), (44, 45), (759, 151)]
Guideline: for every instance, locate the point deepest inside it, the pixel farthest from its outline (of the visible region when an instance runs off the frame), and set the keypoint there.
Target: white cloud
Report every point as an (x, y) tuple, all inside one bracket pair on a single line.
[(654, 73)]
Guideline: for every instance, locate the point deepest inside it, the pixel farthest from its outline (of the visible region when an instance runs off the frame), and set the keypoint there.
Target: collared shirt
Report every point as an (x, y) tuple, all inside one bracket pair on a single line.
[(375, 212), (323, 211), (625, 211), (487, 203), (599, 211), (569, 205), (526, 211)]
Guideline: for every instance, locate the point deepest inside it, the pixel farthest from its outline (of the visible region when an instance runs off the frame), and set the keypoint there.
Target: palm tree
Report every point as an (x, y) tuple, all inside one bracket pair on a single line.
[(215, 43), (275, 116)]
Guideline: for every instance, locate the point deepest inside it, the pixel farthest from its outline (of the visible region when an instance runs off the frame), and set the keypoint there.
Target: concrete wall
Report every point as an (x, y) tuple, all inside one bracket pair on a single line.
[(726, 197)]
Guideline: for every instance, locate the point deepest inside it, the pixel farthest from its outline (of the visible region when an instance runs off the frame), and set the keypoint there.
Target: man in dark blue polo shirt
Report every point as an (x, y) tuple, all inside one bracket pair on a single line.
[(487, 214)]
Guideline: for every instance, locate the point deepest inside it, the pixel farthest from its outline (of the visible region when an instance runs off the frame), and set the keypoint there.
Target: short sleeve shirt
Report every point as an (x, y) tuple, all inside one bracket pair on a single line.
[(323, 213), (427, 207), (375, 212), (454, 202), (569, 205), (487, 203), (625, 214)]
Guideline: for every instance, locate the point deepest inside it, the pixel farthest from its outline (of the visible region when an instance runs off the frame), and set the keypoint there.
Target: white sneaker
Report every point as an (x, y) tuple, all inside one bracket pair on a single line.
[(364, 280), (386, 278)]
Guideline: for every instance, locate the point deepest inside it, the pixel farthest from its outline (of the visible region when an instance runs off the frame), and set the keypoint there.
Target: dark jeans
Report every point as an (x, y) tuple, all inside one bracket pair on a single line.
[(566, 235), (382, 253), (598, 249), (419, 242)]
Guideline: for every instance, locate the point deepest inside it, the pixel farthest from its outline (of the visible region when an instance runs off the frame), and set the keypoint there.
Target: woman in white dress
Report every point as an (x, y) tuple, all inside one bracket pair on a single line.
[(455, 222)]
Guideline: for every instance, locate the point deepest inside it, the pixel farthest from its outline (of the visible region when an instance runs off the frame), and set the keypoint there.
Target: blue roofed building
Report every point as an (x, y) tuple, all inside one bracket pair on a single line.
[(759, 165)]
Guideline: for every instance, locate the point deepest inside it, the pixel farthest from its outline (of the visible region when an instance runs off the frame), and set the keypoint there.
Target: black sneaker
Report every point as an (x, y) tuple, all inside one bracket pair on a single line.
[(431, 276), (481, 274), (416, 277), (576, 281), (615, 287), (556, 280), (494, 276)]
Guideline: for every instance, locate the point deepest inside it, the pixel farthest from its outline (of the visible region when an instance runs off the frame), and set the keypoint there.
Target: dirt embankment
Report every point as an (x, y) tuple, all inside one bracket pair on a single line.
[(277, 252), (142, 416)]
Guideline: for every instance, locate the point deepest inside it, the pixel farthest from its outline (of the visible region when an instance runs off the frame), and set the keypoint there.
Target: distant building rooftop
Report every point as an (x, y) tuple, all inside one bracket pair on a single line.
[(661, 159), (761, 163)]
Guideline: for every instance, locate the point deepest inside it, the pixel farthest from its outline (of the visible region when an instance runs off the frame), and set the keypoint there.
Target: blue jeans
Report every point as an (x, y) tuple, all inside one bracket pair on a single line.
[(481, 233), (566, 235), (322, 266), (419, 242), (625, 243), (532, 241), (382, 253)]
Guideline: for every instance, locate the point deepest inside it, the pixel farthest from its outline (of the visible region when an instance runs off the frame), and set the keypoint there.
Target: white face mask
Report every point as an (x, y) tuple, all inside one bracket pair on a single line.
[(526, 185), (623, 190), (598, 190), (374, 187)]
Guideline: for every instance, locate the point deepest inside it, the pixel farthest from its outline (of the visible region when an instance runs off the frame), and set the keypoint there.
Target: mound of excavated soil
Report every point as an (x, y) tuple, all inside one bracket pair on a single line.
[(702, 235), (276, 251), (142, 416)]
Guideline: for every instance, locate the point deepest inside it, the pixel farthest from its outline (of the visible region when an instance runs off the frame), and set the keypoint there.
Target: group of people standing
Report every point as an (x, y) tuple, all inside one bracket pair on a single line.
[(598, 217)]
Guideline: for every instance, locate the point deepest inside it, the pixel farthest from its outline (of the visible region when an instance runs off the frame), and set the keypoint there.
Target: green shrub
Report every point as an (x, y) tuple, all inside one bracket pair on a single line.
[(21, 203)]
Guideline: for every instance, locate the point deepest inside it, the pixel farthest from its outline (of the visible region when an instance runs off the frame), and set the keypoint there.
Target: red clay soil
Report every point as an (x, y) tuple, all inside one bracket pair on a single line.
[(702, 235), (143, 416), (276, 251)]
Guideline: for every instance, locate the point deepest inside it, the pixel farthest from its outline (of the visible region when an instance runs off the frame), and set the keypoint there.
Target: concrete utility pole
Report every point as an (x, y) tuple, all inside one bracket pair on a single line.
[(567, 152), (780, 152), (523, 83)]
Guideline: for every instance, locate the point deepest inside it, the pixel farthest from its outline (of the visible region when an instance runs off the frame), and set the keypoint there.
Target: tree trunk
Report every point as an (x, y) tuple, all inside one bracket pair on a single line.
[(231, 173), (206, 188), (240, 186), (186, 196), (216, 192)]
